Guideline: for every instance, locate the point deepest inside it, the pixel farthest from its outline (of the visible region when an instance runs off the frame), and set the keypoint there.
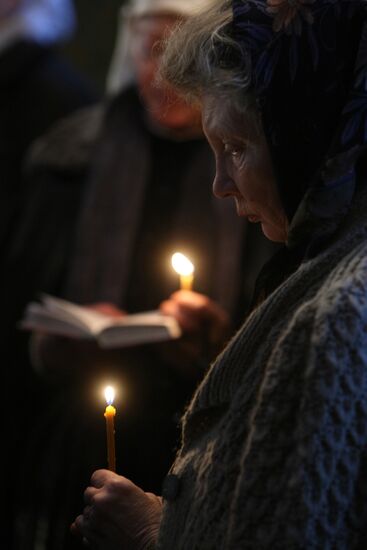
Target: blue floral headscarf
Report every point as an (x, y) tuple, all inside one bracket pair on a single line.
[(308, 65)]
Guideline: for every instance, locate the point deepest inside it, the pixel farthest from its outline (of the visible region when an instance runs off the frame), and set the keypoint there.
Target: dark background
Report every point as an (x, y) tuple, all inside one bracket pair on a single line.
[(91, 48)]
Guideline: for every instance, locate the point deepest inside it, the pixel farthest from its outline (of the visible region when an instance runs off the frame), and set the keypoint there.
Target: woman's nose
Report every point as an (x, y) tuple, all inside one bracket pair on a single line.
[(223, 185)]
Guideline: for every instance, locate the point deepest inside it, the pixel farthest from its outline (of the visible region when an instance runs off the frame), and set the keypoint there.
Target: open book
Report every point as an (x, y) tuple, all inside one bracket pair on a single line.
[(63, 318)]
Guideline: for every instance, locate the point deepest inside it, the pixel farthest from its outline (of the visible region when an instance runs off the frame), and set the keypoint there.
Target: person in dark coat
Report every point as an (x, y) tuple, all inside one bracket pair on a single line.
[(37, 87), (112, 188)]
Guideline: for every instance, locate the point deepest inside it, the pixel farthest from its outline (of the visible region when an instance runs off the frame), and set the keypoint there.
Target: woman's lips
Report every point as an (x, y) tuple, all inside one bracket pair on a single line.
[(253, 218)]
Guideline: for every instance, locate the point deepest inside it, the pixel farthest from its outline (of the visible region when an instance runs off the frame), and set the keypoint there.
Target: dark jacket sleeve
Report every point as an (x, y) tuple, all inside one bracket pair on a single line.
[(38, 247), (36, 256)]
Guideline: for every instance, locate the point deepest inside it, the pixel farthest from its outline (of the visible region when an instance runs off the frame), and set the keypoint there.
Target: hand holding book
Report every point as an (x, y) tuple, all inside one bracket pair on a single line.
[(60, 317)]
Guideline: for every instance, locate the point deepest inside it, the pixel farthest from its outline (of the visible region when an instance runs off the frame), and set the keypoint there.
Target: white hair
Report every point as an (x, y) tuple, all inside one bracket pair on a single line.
[(121, 71), (202, 59)]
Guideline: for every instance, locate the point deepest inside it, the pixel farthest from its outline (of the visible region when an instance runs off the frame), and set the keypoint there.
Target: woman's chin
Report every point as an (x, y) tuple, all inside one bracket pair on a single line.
[(273, 233)]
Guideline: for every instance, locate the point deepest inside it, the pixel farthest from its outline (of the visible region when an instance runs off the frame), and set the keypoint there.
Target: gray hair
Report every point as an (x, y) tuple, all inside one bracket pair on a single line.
[(200, 59)]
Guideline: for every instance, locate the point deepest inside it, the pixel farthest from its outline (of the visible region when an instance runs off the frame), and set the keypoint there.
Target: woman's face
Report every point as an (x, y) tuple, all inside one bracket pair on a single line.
[(164, 106), (243, 167)]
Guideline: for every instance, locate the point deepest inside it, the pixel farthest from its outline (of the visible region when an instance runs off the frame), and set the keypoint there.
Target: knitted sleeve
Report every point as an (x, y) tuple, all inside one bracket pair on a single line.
[(303, 472)]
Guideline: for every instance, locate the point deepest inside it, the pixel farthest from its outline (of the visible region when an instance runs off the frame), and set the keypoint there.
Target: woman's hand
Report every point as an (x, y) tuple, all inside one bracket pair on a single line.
[(118, 514), (205, 325), (107, 309)]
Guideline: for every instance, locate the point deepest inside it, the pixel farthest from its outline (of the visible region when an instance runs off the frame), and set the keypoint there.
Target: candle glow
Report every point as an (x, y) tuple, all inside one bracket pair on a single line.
[(109, 394), (182, 265), (109, 414)]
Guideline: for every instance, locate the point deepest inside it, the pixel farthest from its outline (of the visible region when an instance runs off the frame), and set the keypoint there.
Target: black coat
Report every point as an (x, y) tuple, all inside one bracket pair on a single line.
[(37, 87)]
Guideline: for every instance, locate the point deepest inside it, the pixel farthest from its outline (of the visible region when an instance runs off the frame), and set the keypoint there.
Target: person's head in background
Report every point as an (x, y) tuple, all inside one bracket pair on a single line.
[(45, 22), (144, 26)]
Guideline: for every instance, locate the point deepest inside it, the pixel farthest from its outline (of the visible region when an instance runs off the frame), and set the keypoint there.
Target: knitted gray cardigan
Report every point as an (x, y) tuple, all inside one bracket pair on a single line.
[(274, 451)]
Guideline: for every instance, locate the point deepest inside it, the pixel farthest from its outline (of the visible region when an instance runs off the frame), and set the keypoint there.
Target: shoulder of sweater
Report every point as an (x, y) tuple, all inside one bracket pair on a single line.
[(335, 315), (348, 280), (69, 144)]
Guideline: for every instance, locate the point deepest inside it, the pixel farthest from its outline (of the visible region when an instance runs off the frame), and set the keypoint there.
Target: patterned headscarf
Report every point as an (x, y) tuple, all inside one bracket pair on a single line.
[(308, 65)]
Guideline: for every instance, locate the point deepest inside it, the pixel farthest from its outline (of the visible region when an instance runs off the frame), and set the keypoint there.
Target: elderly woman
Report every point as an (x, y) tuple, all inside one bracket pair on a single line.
[(274, 448)]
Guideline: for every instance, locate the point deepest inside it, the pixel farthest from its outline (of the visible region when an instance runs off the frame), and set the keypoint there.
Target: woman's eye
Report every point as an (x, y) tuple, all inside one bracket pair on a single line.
[(235, 151)]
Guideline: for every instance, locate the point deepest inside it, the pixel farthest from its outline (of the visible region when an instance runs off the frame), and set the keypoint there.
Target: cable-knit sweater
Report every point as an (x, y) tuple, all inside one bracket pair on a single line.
[(274, 451)]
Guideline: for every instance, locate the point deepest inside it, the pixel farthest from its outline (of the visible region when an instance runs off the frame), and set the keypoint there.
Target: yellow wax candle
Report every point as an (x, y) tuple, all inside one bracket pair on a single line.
[(109, 414), (186, 282), (185, 269)]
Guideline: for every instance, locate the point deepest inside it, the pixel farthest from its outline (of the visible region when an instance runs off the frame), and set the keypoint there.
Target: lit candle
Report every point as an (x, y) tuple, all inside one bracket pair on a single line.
[(110, 426), (185, 269)]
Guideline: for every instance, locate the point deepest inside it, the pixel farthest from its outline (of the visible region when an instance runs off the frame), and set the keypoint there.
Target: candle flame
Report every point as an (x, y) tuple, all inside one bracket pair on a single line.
[(181, 264), (109, 394)]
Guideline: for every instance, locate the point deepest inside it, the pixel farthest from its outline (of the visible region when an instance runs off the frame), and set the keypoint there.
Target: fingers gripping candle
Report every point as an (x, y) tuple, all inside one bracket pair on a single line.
[(185, 269), (110, 427)]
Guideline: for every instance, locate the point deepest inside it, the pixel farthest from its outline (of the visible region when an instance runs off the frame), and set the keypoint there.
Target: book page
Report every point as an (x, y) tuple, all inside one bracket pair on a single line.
[(56, 316), (36, 318), (81, 316), (140, 328)]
